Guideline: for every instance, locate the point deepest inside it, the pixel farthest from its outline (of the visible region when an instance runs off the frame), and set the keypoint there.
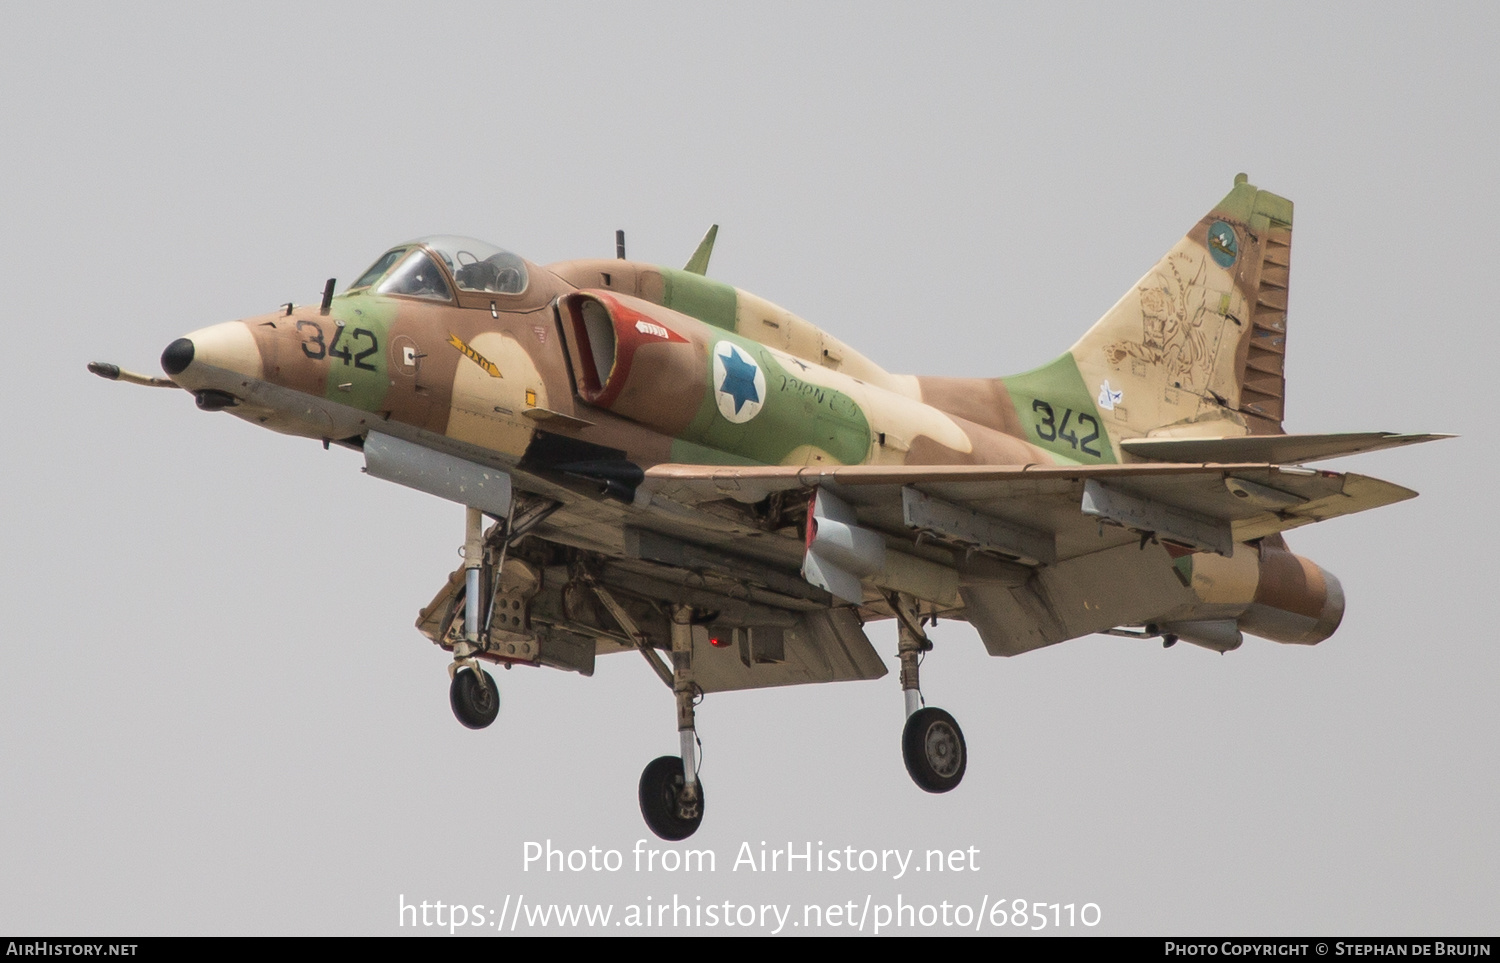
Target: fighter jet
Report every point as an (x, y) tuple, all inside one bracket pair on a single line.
[(653, 461)]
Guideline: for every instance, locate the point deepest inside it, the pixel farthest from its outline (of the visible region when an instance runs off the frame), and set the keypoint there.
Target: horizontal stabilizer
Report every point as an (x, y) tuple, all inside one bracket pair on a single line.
[(1268, 449)]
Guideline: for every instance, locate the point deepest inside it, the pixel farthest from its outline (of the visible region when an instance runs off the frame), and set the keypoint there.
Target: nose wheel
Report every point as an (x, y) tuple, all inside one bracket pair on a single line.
[(473, 694)]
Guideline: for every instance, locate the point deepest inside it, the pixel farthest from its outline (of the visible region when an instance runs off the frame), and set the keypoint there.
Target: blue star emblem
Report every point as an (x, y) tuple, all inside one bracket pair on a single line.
[(739, 379)]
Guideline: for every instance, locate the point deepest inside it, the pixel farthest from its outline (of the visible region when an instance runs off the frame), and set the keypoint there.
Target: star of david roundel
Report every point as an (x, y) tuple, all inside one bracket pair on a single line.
[(739, 384)]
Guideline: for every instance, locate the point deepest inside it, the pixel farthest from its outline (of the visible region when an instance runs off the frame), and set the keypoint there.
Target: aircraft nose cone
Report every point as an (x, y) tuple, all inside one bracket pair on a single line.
[(177, 357)]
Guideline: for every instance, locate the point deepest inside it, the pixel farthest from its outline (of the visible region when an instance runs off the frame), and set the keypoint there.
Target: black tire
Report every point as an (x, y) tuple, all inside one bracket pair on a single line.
[(933, 747), (475, 705), (660, 784)]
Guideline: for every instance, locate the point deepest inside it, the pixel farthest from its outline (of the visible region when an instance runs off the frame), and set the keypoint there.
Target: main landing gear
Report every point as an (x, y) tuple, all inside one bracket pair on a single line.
[(932, 744), (474, 696), (671, 794), (663, 788)]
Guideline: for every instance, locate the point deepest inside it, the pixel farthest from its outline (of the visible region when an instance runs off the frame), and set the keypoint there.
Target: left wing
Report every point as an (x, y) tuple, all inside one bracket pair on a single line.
[(1030, 555), (1203, 506)]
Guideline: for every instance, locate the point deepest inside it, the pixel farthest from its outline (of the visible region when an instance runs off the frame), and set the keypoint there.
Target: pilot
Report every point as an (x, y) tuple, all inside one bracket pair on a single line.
[(477, 276), (497, 273)]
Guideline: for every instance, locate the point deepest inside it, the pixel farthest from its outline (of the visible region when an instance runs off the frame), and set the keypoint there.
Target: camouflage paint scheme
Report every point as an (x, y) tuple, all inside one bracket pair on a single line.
[(679, 429)]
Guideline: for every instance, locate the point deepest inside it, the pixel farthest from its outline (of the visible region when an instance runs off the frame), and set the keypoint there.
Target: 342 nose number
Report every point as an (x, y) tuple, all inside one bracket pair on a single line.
[(1048, 429), (314, 348)]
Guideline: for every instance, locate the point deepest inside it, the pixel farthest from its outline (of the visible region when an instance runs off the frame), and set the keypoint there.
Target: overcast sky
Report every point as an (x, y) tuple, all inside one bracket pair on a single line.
[(217, 716)]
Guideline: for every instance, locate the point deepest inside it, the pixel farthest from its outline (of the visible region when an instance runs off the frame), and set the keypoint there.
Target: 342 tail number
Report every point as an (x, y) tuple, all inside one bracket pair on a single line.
[(1048, 428)]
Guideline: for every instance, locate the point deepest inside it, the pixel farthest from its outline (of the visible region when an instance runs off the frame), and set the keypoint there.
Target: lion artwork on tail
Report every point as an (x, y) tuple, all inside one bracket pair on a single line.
[(1172, 312)]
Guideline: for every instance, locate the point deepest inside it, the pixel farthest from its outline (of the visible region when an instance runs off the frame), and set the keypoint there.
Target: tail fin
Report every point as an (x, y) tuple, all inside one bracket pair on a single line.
[(1196, 348)]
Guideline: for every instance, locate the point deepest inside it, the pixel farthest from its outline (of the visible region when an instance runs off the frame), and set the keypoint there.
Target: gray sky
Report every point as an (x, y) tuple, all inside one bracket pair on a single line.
[(217, 717)]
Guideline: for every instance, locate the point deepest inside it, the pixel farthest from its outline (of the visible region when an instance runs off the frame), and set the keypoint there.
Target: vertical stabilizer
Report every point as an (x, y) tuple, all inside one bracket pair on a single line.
[(1197, 347)]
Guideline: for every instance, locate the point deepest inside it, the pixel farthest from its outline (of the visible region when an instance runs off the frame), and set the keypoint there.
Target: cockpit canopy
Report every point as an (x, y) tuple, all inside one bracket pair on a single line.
[(412, 270)]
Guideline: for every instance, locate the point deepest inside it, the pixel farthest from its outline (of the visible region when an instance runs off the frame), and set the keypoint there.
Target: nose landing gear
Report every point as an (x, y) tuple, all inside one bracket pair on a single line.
[(473, 694)]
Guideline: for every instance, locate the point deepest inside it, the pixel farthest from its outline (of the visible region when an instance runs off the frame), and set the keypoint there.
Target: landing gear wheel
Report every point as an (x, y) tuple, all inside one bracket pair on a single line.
[(933, 746), (476, 705), (661, 786)]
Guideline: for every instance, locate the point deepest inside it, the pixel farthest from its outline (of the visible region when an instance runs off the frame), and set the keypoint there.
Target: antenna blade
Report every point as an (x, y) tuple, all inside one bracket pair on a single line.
[(698, 263)]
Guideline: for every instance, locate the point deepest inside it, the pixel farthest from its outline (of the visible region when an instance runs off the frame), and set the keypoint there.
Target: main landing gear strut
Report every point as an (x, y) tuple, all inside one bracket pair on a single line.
[(671, 793), (932, 744)]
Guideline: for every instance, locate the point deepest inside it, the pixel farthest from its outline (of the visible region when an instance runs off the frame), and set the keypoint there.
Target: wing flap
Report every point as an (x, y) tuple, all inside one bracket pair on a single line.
[(1091, 593)]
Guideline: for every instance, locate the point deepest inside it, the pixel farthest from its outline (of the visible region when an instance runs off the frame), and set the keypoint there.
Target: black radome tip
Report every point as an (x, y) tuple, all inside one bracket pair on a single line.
[(177, 357)]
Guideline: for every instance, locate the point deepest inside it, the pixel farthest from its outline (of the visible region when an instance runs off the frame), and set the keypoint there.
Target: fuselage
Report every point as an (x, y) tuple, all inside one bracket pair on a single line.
[(603, 369), (672, 465), (500, 370)]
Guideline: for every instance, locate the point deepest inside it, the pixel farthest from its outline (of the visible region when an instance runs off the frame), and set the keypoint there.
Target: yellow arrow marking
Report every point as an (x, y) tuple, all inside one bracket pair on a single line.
[(475, 356)]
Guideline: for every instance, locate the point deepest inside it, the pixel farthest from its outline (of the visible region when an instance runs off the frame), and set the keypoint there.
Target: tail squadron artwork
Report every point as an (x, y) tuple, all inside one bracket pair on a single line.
[(654, 461)]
